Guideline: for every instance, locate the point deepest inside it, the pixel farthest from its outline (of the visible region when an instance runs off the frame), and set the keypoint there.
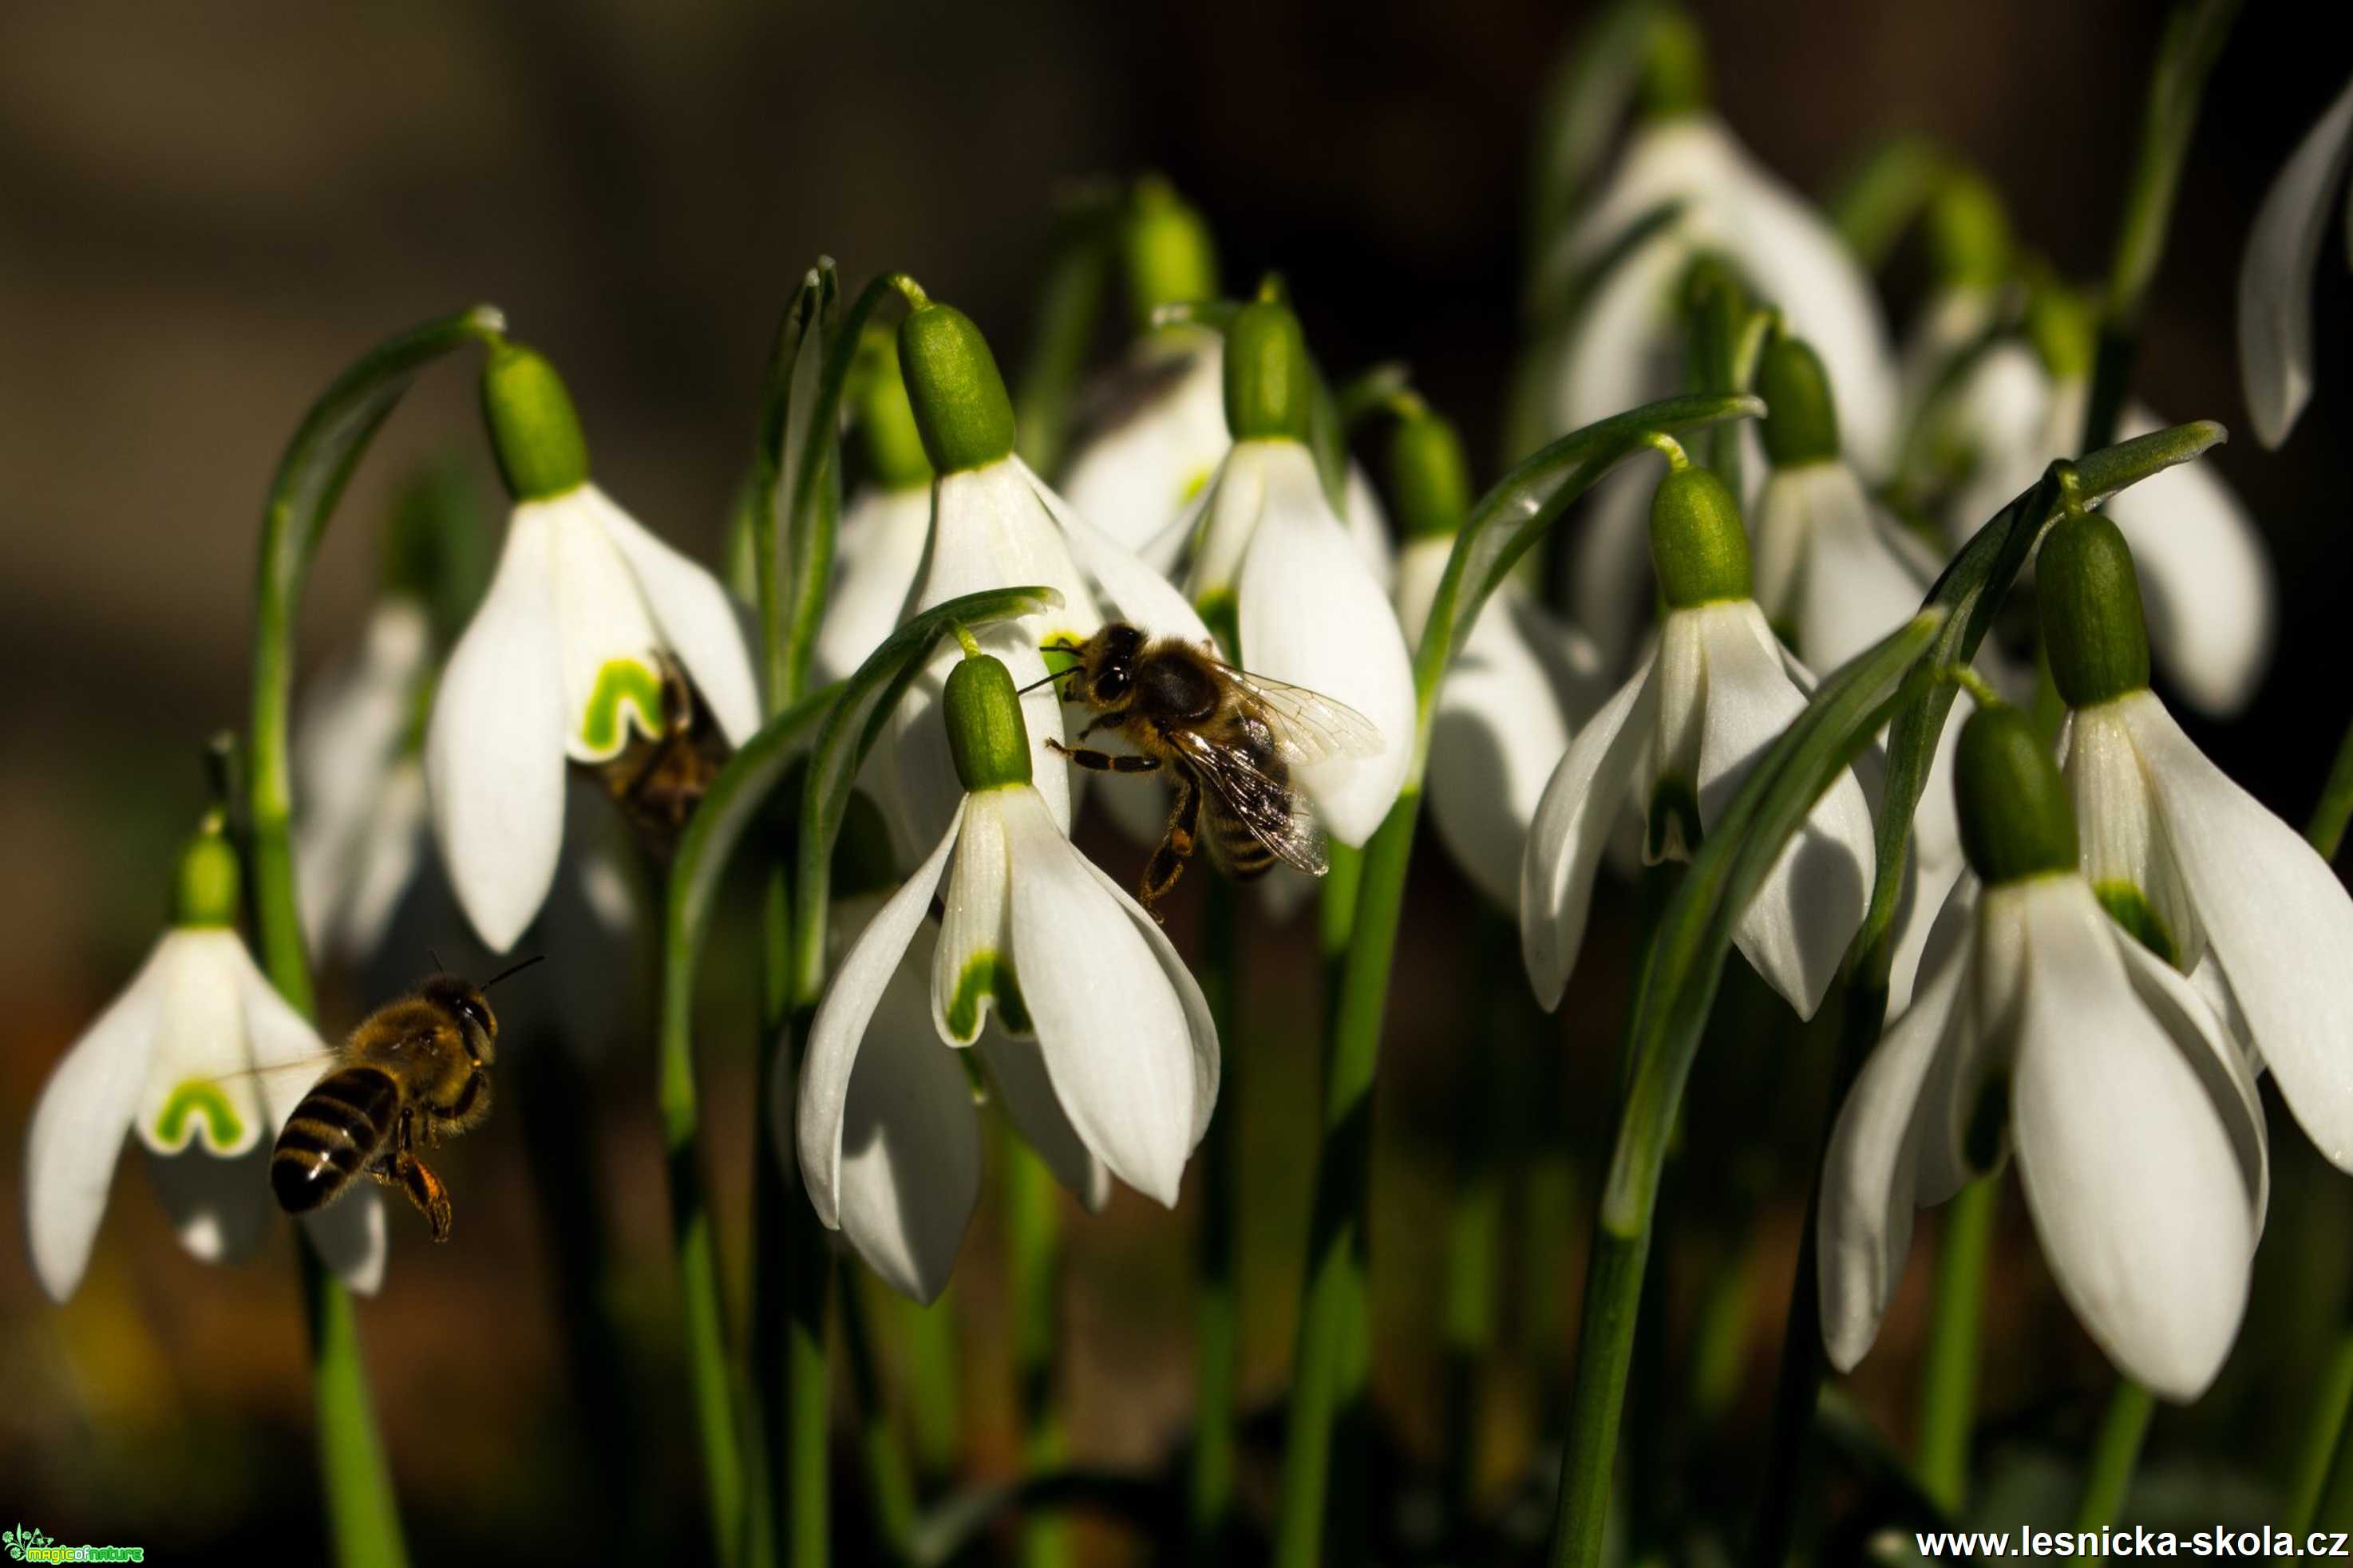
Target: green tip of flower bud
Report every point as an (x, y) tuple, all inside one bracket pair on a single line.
[(1166, 251), (1268, 380), (2016, 820), (986, 734), (2059, 325), (207, 885), (1697, 543), (534, 428), (886, 419), (959, 400), (1968, 232), (2089, 598), (1429, 480), (1674, 68), (1800, 416)]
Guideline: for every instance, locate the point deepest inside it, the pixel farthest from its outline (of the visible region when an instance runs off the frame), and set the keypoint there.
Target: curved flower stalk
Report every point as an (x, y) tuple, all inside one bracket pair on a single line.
[(2213, 601), (2042, 1025), (2190, 863), (1037, 939), (2276, 279), (362, 783), (566, 658), (202, 1060), (993, 522), (1521, 680), (1669, 749)]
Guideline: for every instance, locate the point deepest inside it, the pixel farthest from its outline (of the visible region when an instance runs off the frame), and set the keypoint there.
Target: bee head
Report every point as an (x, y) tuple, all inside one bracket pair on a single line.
[(478, 1026), (1105, 676)]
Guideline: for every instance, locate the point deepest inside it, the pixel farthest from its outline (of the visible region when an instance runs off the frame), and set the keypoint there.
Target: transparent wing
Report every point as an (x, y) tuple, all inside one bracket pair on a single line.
[(1276, 814), (1309, 726), (315, 1065)]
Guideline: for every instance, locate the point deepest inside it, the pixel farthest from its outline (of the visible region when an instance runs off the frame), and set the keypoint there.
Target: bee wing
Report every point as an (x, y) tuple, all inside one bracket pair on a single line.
[(301, 1070), (1276, 814), (1309, 726)]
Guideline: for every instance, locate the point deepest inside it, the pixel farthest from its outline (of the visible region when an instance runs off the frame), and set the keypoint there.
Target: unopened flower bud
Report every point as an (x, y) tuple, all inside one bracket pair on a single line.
[(985, 733), (2016, 820), (1968, 234), (954, 386), (2059, 325), (535, 429), (1697, 543), (2090, 603), (1166, 251), (1800, 418), (1269, 383), (1674, 68)]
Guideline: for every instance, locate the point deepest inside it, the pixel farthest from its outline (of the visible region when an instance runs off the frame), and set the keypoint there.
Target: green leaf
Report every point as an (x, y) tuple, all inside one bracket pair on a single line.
[(781, 462), (1591, 92), (857, 719)]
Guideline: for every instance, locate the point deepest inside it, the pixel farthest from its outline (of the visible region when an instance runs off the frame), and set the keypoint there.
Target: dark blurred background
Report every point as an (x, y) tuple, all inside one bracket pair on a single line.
[(206, 211)]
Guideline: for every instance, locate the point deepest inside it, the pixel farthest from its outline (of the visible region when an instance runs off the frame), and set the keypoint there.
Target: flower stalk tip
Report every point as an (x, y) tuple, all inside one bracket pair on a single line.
[(535, 429), (1801, 418), (2093, 628), (207, 884), (1697, 543), (1269, 383), (2016, 821), (985, 733), (962, 410)]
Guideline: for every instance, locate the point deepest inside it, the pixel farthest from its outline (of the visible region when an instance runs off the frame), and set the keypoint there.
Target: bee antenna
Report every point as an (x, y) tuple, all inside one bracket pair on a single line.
[(1045, 680), (436, 958), (514, 968)]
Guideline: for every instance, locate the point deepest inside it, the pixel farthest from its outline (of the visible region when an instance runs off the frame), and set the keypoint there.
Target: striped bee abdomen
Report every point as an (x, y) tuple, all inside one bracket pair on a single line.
[(332, 1136)]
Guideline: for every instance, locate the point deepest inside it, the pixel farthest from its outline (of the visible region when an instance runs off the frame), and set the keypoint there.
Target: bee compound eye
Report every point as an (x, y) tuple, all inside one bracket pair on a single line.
[(1113, 686)]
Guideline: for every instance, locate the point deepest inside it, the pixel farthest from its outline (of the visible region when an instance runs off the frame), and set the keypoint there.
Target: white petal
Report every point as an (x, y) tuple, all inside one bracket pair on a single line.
[(972, 968), (219, 1206), (692, 612), (1611, 589), (1869, 1187), (1130, 590), (353, 729), (2128, 1170), (881, 549), (1797, 929), (1620, 350), (2006, 412), (1201, 1030), (2182, 1009), (2117, 822), (1161, 438), (1311, 614), (2274, 915), (494, 751), (1941, 1162), (283, 1043), (1114, 1034), (1856, 584), (607, 641), (1421, 565), (78, 1128), (384, 864), (1369, 526), (350, 1237), (1017, 1070), (199, 1082), (2275, 280), (1589, 794), (2206, 579), (1228, 515), (1499, 728), (840, 1024)]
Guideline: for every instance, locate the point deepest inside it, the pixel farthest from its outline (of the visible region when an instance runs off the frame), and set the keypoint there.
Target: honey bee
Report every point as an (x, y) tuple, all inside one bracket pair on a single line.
[(417, 1069), (658, 780), (1227, 739)]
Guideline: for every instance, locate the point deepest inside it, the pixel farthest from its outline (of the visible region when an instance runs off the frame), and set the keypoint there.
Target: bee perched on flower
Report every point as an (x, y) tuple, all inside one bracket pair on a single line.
[(591, 637)]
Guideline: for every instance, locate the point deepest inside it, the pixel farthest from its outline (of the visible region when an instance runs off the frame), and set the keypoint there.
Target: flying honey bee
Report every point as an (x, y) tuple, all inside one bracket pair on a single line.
[(416, 1070), (1229, 738), (658, 780)]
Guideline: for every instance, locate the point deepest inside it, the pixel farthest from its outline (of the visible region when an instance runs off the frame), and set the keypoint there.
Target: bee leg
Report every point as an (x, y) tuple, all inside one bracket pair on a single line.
[(1104, 761), (424, 1190), (1167, 862)]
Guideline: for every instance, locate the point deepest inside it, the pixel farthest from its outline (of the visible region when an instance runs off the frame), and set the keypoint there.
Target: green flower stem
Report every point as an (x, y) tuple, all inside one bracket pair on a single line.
[(318, 463), (2318, 1470), (2194, 36), (1949, 1388), (888, 1483), (1475, 1223), (2115, 1452), (1033, 1224), (2326, 830), (1217, 1331), (931, 1334)]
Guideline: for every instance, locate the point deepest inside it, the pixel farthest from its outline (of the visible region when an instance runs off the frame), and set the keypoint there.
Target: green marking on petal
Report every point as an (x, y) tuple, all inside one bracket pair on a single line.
[(2130, 910), (198, 1098), (1672, 831), (987, 976), (622, 682), (1195, 485), (1221, 612)]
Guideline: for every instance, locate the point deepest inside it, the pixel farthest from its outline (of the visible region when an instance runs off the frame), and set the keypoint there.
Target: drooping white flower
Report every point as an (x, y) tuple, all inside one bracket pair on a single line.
[(1671, 749), (201, 1059), (361, 781), (2212, 599), (2040, 1025), (2276, 279), (879, 554), (2185, 858), (1041, 941), (564, 662)]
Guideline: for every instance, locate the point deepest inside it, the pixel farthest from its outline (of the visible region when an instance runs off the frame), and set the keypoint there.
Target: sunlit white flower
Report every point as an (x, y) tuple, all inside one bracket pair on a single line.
[(2040, 1023), (1038, 938), (201, 1059), (1669, 751), (878, 554), (361, 781), (564, 662), (2275, 280)]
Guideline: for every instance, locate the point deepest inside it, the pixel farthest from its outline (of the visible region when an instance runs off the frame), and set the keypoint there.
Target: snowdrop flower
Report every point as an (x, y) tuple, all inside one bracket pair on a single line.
[(1510, 697), (2212, 600), (2041, 1024), (564, 660), (362, 783), (1036, 936), (1271, 565), (1970, 262), (884, 525), (1672, 747), (2276, 347), (2184, 858), (995, 524), (187, 1059)]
